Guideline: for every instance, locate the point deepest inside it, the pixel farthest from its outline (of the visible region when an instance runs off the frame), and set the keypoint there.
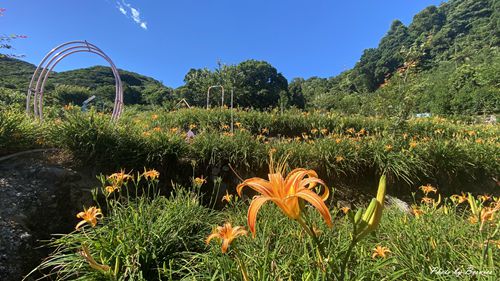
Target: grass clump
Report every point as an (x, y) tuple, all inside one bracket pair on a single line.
[(142, 235), (18, 132)]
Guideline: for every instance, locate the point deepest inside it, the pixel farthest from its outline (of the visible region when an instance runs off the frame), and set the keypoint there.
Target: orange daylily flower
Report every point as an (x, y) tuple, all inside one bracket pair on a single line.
[(90, 215), (345, 210), (484, 197), (119, 178), (427, 200), (227, 234), (111, 188), (416, 211), (151, 174), (286, 193), (228, 197), (472, 219), (488, 214), (459, 198), (428, 189), (380, 251), (361, 132), (199, 181)]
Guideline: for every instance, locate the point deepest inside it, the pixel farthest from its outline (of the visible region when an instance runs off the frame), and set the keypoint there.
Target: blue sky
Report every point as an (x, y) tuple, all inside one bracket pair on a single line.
[(165, 38)]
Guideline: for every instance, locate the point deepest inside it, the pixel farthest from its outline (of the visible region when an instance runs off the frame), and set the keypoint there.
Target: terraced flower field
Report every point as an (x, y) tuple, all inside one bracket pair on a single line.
[(154, 224)]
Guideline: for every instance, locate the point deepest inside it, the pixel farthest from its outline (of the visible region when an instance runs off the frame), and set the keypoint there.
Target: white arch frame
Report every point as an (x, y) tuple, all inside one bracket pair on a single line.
[(208, 95), (51, 60)]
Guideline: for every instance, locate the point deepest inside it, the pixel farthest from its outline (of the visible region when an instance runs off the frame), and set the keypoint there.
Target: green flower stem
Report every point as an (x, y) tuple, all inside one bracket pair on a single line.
[(346, 258), (241, 264), (310, 232)]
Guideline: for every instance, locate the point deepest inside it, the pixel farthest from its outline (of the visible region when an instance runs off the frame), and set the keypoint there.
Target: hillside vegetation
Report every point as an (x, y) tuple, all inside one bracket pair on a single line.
[(445, 61), (75, 86)]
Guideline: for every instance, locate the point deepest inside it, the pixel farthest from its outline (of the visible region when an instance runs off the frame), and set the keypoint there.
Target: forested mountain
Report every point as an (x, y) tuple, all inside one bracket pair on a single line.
[(15, 73), (74, 86), (446, 61)]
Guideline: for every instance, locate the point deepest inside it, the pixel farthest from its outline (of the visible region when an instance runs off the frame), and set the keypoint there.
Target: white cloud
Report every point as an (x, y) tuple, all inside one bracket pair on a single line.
[(122, 10), (125, 7), (136, 16)]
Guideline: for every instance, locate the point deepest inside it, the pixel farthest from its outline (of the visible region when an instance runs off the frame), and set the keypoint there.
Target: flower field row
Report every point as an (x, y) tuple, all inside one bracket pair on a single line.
[(452, 156)]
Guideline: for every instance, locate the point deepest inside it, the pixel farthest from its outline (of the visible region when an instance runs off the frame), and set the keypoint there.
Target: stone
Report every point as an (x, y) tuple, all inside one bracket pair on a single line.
[(398, 204)]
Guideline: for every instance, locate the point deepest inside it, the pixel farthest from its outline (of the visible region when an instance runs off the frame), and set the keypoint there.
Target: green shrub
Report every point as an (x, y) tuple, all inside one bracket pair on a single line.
[(18, 132), (140, 238)]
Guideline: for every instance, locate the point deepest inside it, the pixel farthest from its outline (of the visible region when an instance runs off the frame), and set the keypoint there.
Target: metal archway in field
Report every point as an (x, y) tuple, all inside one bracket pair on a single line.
[(208, 95), (39, 78)]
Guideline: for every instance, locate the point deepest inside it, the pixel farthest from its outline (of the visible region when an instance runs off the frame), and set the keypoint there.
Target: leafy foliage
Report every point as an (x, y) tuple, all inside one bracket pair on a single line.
[(445, 62)]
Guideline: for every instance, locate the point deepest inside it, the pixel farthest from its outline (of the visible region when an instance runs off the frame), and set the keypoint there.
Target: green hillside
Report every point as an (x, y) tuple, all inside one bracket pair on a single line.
[(446, 61), (15, 73), (74, 86)]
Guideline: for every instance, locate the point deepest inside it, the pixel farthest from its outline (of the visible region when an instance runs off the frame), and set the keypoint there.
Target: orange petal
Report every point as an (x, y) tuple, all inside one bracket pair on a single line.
[(239, 231), (317, 202), (80, 224), (258, 184), (225, 245), (257, 202), (310, 173), (294, 177), (277, 184), (306, 183), (212, 236)]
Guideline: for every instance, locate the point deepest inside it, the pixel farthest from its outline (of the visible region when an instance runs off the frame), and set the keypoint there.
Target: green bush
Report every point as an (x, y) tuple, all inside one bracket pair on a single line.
[(95, 139), (18, 132), (139, 238)]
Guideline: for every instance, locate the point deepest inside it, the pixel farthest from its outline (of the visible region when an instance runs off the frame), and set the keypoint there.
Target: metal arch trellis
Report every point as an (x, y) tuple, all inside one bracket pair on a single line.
[(222, 101), (51, 60), (208, 95)]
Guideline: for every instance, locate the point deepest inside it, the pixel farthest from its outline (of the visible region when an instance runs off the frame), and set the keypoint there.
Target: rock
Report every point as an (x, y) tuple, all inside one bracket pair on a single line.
[(38, 197), (342, 204), (57, 173), (398, 203)]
